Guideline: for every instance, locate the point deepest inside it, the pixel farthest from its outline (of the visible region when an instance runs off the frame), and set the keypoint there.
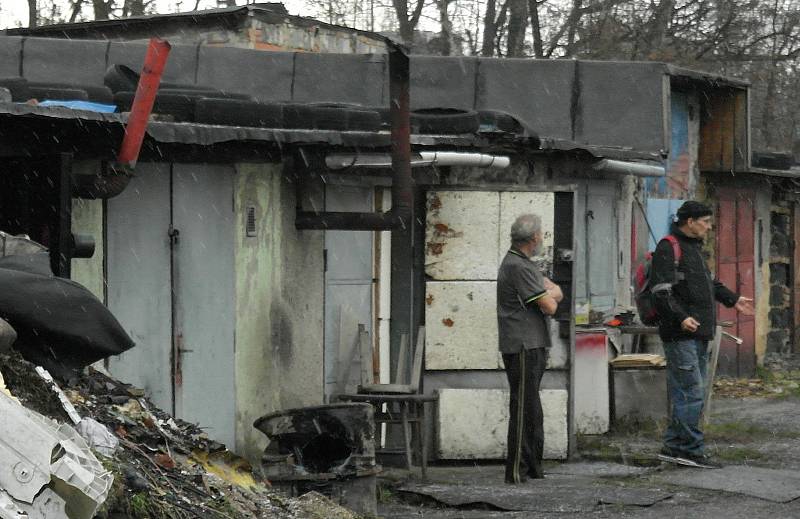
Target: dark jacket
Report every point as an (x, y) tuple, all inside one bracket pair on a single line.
[(689, 292)]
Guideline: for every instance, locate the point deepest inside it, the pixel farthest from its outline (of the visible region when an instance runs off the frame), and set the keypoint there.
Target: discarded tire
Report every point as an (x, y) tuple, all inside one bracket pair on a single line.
[(437, 120), (493, 120), (97, 94), (317, 117), (772, 160), (20, 92), (180, 106), (60, 94), (444, 121), (234, 112)]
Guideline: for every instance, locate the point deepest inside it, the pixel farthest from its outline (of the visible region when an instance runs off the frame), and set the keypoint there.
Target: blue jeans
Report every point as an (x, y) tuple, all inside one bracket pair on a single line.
[(687, 363)]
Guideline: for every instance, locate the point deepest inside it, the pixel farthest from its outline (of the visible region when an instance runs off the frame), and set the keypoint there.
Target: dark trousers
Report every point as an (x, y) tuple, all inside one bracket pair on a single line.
[(526, 422)]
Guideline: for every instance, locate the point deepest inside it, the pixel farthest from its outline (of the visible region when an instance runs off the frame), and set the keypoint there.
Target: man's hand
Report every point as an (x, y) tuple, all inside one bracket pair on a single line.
[(690, 324), (553, 290), (745, 306)]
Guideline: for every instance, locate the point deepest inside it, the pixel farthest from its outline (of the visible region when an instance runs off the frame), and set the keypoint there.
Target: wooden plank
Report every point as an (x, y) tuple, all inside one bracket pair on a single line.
[(795, 279), (367, 376), (402, 360), (711, 372), (741, 158), (419, 353)]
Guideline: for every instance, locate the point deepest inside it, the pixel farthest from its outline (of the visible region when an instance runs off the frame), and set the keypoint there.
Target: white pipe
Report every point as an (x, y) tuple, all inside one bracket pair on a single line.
[(336, 161), (637, 169), (456, 158)]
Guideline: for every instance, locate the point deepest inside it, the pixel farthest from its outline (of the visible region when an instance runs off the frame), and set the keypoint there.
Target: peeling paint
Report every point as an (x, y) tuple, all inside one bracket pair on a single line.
[(435, 249), (448, 322), (429, 299)]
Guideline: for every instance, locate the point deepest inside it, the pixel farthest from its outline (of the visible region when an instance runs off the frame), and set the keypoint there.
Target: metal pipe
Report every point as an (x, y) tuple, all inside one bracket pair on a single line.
[(399, 216), (637, 169), (337, 161), (455, 158), (154, 62)]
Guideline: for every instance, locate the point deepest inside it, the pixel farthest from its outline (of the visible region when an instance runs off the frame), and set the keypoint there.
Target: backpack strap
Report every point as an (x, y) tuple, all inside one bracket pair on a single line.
[(676, 248), (677, 253)]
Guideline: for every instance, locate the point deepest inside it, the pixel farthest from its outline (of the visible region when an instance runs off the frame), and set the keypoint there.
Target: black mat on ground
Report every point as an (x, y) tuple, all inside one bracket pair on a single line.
[(550, 495)]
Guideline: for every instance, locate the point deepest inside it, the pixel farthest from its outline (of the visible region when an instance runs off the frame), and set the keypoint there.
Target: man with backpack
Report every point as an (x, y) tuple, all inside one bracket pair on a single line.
[(685, 295)]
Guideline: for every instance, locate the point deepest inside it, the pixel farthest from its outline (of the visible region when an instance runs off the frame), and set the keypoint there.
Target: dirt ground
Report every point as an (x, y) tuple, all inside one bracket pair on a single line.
[(753, 422)]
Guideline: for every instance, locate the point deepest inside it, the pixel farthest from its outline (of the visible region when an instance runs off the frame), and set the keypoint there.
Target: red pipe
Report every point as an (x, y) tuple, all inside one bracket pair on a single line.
[(153, 67)]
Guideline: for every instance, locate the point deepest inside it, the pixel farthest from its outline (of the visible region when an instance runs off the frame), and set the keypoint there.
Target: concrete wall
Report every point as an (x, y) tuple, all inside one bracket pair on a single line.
[(279, 305), (87, 218), (473, 423)]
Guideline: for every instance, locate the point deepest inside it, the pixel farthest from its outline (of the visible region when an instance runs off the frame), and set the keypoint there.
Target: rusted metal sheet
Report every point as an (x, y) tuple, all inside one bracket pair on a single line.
[(461, 235), (461, 325), (735, 250)]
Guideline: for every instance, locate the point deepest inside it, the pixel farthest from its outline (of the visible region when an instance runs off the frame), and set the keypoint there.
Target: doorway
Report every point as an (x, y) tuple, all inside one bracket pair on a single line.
[(170, 272)]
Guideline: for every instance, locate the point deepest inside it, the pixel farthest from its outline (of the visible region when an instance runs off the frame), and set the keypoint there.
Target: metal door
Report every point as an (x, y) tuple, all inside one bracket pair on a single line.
[(171, 285), (735, 250), (138, 275), (349, 284), (203, 284)]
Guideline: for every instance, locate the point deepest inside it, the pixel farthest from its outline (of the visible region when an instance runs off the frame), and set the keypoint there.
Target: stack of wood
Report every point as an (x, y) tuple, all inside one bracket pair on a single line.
[(639, 360)]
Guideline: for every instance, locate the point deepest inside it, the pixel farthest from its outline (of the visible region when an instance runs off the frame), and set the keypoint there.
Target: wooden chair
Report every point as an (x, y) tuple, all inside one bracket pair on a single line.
[(400, 402)]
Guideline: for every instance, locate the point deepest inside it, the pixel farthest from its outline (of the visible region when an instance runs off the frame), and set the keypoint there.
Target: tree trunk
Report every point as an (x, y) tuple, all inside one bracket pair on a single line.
[(517, 23), (572, 29), (489, 30), (32, 13), (447, 27), (536, 29), (102, 10), (407, 24)]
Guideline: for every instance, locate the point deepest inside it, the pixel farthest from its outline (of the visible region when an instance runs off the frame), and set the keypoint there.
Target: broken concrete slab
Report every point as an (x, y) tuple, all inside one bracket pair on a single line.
[(598, 469), (779, 486), (555, 494)]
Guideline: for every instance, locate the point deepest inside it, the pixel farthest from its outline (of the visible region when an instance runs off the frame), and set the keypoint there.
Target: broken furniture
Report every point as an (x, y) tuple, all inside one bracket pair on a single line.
[(402, 403), (327, 448), (47, 470)]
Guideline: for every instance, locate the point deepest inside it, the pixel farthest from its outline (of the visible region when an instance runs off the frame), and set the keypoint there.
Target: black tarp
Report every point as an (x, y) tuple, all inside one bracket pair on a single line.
[(61, 325)]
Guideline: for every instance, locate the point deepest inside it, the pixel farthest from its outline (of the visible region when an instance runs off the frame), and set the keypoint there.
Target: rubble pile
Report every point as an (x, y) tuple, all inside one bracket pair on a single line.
[(162, 467)]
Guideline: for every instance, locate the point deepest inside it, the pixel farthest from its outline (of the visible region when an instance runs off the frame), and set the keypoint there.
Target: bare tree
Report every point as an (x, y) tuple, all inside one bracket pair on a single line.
[(33, 13)]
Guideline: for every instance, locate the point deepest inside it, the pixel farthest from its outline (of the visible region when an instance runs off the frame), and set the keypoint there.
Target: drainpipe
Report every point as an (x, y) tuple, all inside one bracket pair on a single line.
[(399, 216), (114, 177), (336, 161), (636, 169)]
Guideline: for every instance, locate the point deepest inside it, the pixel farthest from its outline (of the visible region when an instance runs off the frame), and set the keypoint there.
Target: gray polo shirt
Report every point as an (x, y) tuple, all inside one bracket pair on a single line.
[(520, 322)]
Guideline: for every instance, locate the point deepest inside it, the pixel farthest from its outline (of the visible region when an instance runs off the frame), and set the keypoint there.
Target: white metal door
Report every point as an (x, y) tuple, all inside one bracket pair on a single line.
[(171, 285), (349, 287), (138, 275)]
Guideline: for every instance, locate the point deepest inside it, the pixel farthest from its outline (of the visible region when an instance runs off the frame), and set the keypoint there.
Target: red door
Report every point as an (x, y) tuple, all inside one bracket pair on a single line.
[(735, 268)]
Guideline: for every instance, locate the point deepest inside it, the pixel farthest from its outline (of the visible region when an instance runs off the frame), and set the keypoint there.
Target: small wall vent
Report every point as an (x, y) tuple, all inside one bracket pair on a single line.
[(250, 226)]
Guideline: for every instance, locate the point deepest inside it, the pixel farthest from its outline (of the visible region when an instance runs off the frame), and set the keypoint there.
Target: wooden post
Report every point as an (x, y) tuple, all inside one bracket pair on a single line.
[(711, 372)]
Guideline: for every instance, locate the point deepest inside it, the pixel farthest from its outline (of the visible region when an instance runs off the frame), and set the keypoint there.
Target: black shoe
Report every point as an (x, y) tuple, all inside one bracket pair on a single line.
[(704, 460), (672, 453)]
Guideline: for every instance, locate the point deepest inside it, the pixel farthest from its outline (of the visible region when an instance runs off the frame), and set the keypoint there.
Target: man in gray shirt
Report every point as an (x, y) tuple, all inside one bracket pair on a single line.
[(524, 300)]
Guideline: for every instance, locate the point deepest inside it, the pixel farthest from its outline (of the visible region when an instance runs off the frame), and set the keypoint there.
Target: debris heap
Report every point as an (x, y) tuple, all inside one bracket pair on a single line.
[(162, 467)]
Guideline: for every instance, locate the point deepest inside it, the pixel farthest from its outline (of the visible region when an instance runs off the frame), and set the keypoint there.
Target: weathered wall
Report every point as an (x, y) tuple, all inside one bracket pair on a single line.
[(780, 317), (257, 34), (87, 218), (279, 305)]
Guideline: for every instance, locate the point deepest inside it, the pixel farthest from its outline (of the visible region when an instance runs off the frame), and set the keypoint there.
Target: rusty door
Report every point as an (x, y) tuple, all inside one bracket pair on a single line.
[(735, 251)]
